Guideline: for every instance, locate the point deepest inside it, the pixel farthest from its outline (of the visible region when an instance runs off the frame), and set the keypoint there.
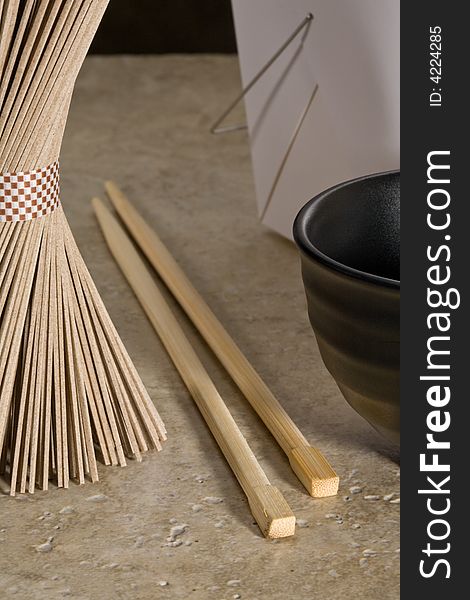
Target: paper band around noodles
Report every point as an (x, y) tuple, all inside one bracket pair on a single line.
[(29, 195)]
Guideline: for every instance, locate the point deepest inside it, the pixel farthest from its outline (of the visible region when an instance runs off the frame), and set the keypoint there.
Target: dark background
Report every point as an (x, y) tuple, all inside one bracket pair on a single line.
[(160, 26)]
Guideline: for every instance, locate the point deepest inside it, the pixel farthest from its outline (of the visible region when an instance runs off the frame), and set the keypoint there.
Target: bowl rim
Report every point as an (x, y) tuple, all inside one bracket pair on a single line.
[(307, 247)]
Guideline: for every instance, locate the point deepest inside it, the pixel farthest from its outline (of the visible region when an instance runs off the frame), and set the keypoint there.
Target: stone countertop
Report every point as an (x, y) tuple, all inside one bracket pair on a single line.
[(144, 121)]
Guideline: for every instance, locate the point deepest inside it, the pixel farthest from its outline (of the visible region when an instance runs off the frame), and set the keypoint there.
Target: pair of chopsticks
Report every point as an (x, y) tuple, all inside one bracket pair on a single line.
[(267, 504)]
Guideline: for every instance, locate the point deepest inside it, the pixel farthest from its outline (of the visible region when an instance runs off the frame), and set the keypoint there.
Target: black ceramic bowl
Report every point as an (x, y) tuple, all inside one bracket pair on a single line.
[(349, 239)]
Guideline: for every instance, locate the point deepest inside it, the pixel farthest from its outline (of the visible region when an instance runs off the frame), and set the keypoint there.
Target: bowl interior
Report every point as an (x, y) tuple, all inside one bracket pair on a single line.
[(357, 226)]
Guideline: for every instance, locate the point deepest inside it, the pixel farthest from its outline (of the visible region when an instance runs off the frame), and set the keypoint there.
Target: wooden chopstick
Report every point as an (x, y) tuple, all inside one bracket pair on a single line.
[(308, 463), (267, 504)]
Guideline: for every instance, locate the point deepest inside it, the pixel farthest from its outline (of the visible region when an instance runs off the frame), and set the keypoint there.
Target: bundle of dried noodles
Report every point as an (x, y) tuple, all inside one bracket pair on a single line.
[(69, 393)]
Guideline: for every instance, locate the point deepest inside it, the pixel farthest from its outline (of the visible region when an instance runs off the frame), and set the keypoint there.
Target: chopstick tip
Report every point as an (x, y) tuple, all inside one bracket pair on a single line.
[(271, 511), (314, 471), (97, 203)]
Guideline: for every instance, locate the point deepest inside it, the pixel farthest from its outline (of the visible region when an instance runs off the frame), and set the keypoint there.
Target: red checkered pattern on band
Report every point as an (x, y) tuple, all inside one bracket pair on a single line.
[(29, 195)]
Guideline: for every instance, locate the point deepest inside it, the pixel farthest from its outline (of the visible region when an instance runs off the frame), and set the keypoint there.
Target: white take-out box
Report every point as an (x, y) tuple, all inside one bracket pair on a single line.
[(352, 126)]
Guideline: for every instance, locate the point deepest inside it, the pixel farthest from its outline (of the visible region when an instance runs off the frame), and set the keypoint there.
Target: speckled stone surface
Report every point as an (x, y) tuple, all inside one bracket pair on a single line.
[(144, 122)]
